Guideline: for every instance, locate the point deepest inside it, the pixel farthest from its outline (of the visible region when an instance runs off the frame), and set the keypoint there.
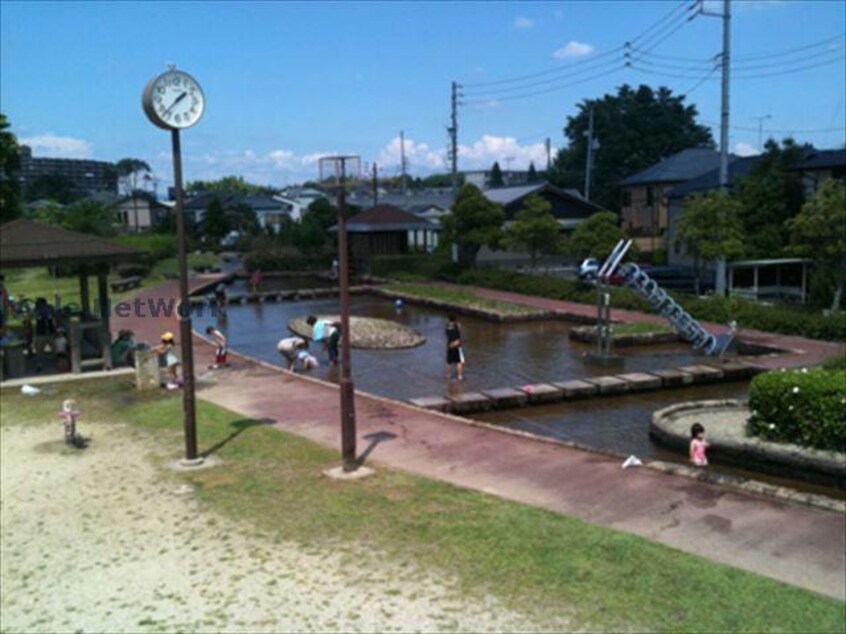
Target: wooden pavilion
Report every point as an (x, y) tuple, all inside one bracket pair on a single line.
[(25, 243)]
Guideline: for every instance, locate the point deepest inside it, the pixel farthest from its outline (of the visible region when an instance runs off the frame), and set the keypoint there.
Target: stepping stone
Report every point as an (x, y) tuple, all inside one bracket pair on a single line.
[(436, 403), (639, 381), (506, 397), (609, 384), (470, 402), (673, 378), (577, 389), (703, 373), (732, 370), (543, 393)]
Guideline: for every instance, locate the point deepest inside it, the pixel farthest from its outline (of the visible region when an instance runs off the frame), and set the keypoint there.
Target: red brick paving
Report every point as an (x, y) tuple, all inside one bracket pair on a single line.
[(789, 542)]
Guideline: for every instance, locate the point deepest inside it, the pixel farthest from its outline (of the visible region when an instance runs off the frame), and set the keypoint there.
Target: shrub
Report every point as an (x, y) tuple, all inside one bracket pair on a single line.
[(421, 265), (158, 246), (836, 363), (805, 407), (132, 270), (281, 258)]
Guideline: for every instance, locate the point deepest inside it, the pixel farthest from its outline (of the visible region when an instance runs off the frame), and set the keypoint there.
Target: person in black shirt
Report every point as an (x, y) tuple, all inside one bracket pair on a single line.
[(455, 354), (45, 328)]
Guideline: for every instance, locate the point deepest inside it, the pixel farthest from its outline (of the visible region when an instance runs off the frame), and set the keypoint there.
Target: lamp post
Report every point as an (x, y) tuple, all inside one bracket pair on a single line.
[(339, 167), (173, 101)]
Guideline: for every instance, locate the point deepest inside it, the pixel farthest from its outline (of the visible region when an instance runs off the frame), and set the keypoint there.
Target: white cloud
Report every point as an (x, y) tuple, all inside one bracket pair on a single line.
[(573, 49), (745, 149), (522, 22), (418, 156), (506, 150), (55, 146)]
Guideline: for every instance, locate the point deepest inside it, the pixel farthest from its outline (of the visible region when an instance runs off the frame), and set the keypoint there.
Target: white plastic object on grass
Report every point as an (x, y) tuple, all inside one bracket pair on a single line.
[(632, 461), (29, 390)]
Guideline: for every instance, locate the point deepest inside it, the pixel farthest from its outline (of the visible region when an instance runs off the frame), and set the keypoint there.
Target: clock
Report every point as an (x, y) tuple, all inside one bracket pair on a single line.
[(173, 100)]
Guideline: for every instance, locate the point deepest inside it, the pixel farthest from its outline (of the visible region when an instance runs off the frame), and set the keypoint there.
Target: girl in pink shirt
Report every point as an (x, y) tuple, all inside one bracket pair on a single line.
[(698, 445)]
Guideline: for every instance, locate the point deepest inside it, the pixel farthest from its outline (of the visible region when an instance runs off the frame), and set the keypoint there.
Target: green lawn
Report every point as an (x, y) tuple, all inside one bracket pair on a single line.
[(461, 297), (547, 564)]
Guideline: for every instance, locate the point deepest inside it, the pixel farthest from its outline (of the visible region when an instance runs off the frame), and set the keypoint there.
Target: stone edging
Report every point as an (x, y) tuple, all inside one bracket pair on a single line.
[(776, 458), (587, 334)]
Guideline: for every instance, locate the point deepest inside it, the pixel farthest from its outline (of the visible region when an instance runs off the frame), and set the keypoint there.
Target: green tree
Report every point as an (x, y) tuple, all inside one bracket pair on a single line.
[(53, 187), (532, 176), (474, 222), (216, 223), (596, 236), (819, 232), (244, 219), (10, 164), (770, 195), (131, 173), (90, 216), (636, 129), (496, 176), (710, 228), (228, 185), (534, 229)]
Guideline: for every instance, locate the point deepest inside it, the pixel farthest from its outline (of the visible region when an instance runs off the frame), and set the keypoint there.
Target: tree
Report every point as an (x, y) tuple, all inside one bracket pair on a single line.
[(89, 216), (53, 187), (10, 163), (534, 229), (710, 228), (819, 232), (532, 176), (597, 236), (216, 221), (244, 219), (474, 222), (228, 185), (131, 172), (496, 176), (636, 128), (770, 195)]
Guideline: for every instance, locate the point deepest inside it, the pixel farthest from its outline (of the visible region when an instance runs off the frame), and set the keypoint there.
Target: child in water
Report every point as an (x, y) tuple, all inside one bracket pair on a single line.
[(698, 445), (221, 359)]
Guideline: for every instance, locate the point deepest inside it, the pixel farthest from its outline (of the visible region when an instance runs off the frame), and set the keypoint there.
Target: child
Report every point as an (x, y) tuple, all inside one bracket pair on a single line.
[(60, 348), (455, 355), (220, 300), (220, 354), (290, 348), (167, 349), (332, 342), (255, 280), (307, 361), (698, 445)]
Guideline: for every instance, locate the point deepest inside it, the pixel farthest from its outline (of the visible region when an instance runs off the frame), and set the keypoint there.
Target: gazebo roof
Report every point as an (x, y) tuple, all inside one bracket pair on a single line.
[(24, 243)]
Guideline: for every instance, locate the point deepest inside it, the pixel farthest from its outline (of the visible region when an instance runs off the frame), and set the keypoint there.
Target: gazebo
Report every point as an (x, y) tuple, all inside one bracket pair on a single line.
[(25, 243)]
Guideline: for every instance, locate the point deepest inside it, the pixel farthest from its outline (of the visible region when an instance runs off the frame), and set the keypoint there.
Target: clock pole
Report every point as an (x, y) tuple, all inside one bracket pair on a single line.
[(188, 405)]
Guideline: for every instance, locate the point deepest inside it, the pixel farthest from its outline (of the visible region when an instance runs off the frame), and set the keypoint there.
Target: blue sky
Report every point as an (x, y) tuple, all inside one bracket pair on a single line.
[(286, 82)]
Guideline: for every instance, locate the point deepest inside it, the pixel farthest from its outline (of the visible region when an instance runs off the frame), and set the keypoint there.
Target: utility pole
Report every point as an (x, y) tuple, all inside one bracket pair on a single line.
[(402, 159), (548, 156), (720, 285), (761, 120), (589, 159), (375, 184), (453, 136)]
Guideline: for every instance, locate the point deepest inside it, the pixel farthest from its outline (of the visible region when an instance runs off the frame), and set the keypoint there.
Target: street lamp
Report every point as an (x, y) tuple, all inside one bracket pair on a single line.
[(343, 171)]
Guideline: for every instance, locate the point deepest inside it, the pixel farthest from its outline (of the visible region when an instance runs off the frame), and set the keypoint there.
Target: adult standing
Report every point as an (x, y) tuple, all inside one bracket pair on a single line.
[(455, 353), (45, 329)]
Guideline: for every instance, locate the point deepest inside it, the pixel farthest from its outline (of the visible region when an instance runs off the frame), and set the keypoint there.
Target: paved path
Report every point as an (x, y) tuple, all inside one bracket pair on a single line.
[(793, 543)]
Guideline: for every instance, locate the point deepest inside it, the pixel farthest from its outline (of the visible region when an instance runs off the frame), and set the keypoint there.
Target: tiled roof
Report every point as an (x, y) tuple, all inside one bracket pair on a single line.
[(711, 180), (822, 159), (678, 168), (385, 218)]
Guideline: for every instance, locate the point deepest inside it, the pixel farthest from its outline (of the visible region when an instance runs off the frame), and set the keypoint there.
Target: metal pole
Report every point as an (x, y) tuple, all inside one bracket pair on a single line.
[(453, 137), (589, 160), (188, 409), (347, 391), (375, 185), (720, 285), (402, 159), (548, 156)]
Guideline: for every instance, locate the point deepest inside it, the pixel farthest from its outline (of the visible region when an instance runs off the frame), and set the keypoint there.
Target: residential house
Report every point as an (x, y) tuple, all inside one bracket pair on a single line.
[(819, 165), (510, 178), (139, 213), (270, 212), (644, 205)]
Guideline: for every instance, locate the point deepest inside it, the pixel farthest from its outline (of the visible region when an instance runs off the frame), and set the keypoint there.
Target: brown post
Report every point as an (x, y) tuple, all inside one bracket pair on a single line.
[(188, 409), (84, 295), (105, 310), (75, 340), (347, 390)]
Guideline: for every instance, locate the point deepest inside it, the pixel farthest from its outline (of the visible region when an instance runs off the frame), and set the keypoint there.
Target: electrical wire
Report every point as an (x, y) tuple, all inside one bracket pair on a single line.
[(791, 50), (778, 130), (705, 78)]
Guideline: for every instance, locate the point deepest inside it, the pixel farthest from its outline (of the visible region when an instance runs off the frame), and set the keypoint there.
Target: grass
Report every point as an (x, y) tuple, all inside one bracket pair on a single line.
[(640, 328), (461, 297), (535, 560), (169, 268)]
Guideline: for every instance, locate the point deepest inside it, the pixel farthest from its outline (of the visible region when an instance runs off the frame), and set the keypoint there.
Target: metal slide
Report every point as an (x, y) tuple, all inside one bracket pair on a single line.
[(639, 281)]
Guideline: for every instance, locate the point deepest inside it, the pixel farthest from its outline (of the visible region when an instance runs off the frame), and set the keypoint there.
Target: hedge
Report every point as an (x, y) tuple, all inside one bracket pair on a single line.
[(158, 246), (286, 259), (805, 407)]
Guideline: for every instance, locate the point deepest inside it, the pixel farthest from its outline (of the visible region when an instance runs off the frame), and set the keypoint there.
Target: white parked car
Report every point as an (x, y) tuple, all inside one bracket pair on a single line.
[(589, 268)]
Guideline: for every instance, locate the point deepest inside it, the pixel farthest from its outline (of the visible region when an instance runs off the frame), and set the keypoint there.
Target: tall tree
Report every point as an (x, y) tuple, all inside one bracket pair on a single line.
[(534, 228), (532, 176), (596, 236), (819, 232), (474, 222), (53, 187), (216, 223), (131, 173), (228, 185), (636, 128), (10, 163), (770, 195), (90, 216), (496, 175), (710, 228)]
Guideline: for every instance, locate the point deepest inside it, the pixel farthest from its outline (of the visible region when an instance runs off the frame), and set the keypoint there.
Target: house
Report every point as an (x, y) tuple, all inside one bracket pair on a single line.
[(644, 206), (567, 205), (139, 213), (270, 212), (386, 230), (510, 178), (819, 165)]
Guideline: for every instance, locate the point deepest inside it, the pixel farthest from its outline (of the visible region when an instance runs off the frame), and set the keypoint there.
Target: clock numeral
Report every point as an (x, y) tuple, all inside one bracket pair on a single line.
[(178, 118), (161, 90)]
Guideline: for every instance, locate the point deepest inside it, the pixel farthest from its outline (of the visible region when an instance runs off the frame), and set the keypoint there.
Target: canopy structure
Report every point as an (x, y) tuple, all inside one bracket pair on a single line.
[(25, 243)]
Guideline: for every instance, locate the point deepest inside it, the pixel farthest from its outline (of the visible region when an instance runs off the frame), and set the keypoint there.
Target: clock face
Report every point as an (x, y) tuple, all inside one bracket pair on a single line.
[(173, 100)]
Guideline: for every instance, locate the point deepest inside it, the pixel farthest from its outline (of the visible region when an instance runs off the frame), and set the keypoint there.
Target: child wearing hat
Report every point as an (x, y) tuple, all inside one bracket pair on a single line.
[(167, 350)]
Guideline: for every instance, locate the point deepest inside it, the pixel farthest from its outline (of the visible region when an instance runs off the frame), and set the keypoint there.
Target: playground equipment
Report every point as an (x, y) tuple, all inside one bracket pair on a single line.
[(69, 416), (638, 280)]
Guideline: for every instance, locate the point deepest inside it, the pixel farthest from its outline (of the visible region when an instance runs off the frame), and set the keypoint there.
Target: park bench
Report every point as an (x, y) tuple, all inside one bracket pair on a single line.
[(126, 283)]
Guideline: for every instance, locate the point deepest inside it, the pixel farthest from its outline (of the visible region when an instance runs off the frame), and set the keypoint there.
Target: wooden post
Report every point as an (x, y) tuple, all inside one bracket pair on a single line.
[(75, 339), (84, 296), (104, 310)]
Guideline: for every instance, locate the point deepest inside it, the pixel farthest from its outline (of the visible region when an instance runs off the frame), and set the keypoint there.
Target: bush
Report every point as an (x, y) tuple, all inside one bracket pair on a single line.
[(159, 247), (805, 407), (132, 270), (281, 258), (836, 363), (419, 265)]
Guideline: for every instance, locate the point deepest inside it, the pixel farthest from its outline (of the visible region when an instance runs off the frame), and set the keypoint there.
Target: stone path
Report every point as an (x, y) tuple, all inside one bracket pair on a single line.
[(789, 542)]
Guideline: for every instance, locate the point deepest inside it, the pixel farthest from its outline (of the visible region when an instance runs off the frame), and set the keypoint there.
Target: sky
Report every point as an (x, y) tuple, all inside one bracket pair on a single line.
[(287, 82)]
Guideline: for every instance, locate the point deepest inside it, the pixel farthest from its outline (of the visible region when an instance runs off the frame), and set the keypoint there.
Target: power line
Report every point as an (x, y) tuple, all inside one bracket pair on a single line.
[(740, 74), (791, 50), (705, 78), (780, 131), (619, 67)]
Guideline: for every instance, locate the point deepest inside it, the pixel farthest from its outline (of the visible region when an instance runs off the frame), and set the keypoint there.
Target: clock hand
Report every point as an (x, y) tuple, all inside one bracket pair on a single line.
[(178, 99)]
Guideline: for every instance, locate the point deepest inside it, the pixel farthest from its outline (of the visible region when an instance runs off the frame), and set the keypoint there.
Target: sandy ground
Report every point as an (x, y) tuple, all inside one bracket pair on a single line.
[(107, 540)]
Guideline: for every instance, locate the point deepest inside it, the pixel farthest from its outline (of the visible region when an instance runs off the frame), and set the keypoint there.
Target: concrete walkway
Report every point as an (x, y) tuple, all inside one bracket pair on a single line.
[(785, 541)]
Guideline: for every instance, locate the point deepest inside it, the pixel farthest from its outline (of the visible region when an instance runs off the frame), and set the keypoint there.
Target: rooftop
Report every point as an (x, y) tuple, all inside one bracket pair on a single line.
[(677, 168)]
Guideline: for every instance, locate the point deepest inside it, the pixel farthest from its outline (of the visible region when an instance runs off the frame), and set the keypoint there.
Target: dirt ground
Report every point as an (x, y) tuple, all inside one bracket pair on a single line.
[(108, 540)]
